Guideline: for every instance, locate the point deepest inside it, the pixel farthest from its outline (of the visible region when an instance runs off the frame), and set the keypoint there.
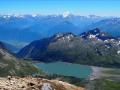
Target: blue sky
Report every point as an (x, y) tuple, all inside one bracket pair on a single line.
[(81, 7)]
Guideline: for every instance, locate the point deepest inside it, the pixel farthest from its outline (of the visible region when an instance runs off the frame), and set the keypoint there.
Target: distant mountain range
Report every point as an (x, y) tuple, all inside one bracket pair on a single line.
[(110, 25), (11, 48), (26, 28), (93, 47), (22, 29)]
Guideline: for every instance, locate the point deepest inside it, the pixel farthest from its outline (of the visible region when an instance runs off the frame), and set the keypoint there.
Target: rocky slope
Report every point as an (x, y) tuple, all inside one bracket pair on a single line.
[(30, 83), (93, 48), (10, 65)]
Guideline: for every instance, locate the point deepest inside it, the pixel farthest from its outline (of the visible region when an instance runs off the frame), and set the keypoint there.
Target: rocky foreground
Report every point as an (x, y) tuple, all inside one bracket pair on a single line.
[(30, 83)]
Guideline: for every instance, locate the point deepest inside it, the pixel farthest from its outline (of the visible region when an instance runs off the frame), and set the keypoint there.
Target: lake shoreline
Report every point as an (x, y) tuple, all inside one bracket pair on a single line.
[(96, 72), (66, 69)]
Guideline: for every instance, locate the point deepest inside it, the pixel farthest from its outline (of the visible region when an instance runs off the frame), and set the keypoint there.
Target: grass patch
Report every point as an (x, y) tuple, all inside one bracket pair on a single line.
[(104, 84)]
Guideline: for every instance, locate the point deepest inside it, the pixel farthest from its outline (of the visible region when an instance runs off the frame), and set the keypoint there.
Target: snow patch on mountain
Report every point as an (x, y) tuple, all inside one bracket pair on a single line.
[(118, 52), (66, 14)]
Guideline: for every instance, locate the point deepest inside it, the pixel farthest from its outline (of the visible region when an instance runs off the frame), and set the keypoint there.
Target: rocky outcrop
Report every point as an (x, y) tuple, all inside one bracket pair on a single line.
[(30, 83)]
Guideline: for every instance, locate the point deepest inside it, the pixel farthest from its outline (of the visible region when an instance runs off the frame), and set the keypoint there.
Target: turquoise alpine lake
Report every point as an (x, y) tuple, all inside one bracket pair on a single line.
[(66, 69)]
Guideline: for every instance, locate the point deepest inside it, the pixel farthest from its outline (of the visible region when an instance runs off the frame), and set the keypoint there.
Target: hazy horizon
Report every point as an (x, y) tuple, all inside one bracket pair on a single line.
[(52, 7)]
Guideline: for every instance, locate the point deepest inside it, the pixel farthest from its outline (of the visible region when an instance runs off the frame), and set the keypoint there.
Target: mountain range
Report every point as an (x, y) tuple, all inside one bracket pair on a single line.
[(19, 30), (93, 47), (87, 40)]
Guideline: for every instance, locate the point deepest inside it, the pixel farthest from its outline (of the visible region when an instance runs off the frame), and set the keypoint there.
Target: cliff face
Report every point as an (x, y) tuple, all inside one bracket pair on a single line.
[(30, 83)]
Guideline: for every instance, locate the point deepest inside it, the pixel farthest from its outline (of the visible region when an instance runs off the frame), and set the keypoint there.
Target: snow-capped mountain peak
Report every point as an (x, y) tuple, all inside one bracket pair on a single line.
[(63, 36), (66, 14)]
